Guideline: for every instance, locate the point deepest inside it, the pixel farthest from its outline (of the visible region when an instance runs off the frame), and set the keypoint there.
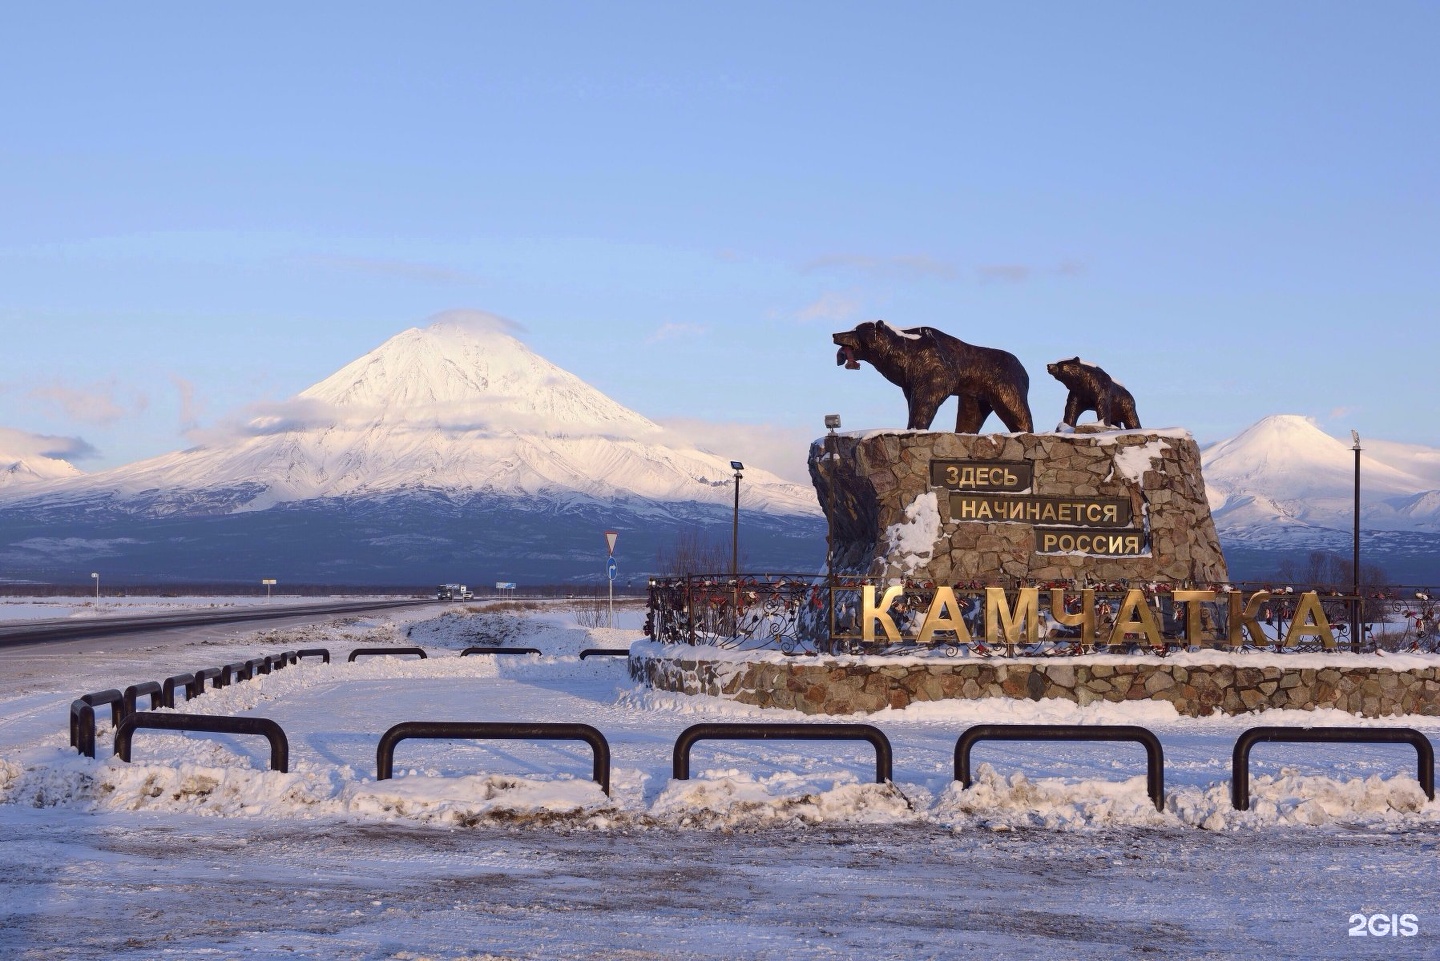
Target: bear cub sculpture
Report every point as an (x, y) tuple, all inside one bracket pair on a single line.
[(930, 366), (1093, 389)]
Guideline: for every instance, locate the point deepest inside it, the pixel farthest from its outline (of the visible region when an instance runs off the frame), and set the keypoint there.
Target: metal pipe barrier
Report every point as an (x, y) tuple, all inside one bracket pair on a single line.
[(386, 651), (783, 732), (211, 674), (604, 652), (82, 717), (1154, 754), (1240, 758), (134, 692), (488, 730), (232, 673), (193, 688), (499, 650), (207, 724), (258, 666), (82, 727), (320, 652)]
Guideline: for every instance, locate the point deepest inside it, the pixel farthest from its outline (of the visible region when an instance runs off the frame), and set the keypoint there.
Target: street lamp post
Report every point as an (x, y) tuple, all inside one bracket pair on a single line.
[(96, 575), (1356, 619), (737, 467), (832, 422)]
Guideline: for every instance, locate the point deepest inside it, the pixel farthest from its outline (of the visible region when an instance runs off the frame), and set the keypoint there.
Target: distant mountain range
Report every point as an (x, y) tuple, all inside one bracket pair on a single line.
[(455, 453), (450, 453)]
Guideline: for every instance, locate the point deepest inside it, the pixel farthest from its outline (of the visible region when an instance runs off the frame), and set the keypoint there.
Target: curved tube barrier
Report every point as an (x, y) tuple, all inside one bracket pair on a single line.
[(82, 727), (211, 674), (1154, 753), (208, 724), (231, 673), (134, 692), (783, 732), (385, 652), (258, 666), (82, 717), (487, 730), (499, 650), (320, 652), (187, 682), (1240, 758), (604, 652)]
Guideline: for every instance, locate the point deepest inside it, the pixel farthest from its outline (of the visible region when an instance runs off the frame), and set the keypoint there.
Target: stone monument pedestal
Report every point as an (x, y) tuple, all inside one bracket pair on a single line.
[(1093, 506)]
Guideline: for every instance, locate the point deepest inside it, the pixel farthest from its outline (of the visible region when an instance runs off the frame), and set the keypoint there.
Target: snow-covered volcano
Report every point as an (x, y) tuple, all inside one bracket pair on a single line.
[(1285, 485), (456, 408), (444, 448)]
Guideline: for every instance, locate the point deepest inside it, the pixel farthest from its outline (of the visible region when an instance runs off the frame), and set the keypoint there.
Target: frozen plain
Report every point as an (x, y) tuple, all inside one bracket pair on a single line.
[(772, 851)]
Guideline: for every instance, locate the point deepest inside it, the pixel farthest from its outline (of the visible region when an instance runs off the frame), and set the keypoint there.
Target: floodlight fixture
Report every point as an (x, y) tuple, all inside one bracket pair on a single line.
[(832, 421), (736, 465)]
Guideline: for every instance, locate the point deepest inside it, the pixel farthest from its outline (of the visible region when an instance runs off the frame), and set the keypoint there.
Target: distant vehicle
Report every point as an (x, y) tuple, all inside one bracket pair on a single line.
[(453, 592)]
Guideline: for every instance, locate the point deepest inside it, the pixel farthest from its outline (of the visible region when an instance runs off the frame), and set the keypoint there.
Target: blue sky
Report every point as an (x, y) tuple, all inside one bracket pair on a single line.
[(1233, 208)]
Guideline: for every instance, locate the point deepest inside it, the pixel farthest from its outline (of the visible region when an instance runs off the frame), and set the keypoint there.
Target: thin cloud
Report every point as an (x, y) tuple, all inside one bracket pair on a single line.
[(400, 269), (97, 403), (190, 407), (677, 332), (910, 266), (780, 450), (831, 306), (20, 444), (1003, 273), (479, 321)]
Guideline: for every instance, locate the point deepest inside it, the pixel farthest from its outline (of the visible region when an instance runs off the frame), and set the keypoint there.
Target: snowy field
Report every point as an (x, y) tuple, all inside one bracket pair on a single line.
[(772, 850)]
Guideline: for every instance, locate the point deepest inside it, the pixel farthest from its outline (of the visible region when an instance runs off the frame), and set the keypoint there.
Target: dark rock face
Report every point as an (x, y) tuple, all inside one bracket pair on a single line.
[(930, 366), (889, 521), (1093, 389)]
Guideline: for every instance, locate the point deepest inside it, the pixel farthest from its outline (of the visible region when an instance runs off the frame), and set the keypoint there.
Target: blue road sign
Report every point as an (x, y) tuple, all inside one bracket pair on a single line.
[(610, 568)]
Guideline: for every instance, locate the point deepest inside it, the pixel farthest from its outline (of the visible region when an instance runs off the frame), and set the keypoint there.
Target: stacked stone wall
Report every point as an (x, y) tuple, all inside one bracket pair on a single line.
[(839, 688), (870, 485)]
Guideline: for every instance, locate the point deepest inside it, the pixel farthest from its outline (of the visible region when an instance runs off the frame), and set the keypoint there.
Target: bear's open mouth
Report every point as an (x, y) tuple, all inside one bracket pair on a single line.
[(846, 356)]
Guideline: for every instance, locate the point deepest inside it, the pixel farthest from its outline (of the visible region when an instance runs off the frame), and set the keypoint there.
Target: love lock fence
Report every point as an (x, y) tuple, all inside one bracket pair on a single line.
[(1240, 757), (783, 732), (604, 652), (206, 724), (490, 730), (1154, 754), (499, 650), (386, 652)]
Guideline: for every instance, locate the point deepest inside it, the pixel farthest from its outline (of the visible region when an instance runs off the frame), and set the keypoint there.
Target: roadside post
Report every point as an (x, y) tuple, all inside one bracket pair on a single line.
[(610, 538)]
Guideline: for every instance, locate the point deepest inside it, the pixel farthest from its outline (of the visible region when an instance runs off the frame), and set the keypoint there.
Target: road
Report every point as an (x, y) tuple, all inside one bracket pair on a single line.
[(71, 629)]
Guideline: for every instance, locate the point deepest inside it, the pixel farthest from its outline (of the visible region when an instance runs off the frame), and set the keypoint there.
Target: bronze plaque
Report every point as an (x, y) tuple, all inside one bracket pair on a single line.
[(1027, 509), (978, 475), (1082, 540)]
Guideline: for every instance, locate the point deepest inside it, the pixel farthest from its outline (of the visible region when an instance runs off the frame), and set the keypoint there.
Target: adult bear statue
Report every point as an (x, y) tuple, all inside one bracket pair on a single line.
[(930, 366), (1093, 389)]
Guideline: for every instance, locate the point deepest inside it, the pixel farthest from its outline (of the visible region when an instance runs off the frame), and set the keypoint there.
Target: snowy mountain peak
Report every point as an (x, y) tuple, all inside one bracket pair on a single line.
[(465, 371)]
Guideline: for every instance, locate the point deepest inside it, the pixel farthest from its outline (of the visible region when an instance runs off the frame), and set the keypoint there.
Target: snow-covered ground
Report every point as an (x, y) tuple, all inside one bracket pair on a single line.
[(772, 850)]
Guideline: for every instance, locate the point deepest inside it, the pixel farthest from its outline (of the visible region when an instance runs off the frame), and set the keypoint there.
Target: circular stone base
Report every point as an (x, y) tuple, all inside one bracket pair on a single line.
[(1197, 684)]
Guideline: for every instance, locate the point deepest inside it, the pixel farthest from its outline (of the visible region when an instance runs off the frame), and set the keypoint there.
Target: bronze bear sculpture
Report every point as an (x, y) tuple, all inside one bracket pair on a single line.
[(1093, 389), (930, 366)]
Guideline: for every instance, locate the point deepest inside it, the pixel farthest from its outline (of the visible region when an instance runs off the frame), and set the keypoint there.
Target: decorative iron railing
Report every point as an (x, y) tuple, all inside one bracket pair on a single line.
[(805, 614)]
